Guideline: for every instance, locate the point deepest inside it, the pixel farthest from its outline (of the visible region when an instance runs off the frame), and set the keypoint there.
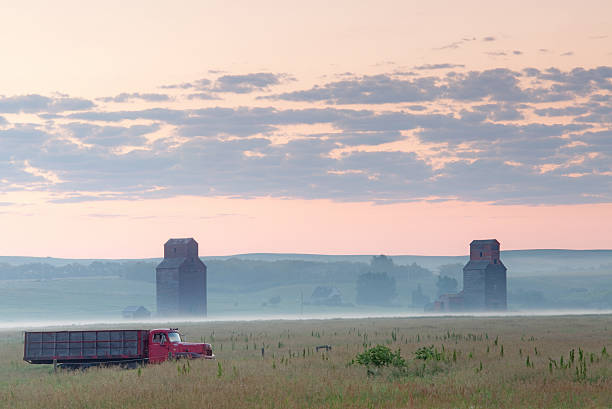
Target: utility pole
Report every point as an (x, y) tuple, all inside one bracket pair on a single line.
[(301, 302)]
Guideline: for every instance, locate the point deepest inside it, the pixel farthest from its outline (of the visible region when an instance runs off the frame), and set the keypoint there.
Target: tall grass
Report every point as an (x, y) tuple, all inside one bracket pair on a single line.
[(292, 374)]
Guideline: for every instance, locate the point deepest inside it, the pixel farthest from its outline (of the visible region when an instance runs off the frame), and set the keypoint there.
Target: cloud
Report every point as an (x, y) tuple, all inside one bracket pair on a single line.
[(455, 44), (438, 66), (578, 81), (567, 54), (376, 89), (302, 168), (203, 83), (361, 138), (202, 96), (156, 114), (244, 122), (501, 112), (513, 184), (500, 136), (34, 103), (184, 85), (499, 84), (238, 84), (565, 111), (111, 136), (417, 107), (243, 84), (128, 97), (489, 39), (496, 53), (18, 141), (531, 72)]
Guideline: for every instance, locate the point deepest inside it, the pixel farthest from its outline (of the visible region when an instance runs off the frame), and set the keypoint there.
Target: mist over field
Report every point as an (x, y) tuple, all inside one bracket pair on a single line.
[(48, 291), (264, 319)]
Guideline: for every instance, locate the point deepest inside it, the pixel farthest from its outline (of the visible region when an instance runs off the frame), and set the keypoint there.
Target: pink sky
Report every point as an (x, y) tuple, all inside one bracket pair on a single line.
[(322, 198), (124, 229)]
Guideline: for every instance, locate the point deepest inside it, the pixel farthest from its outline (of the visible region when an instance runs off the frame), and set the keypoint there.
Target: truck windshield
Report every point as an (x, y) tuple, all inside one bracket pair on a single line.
[(174, 337)]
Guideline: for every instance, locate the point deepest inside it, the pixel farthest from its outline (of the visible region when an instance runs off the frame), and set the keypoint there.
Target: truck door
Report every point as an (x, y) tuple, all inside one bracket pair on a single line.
[(159, 347)]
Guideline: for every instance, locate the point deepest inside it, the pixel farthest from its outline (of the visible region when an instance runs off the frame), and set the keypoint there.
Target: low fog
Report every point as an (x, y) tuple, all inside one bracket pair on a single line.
[(166, 322)]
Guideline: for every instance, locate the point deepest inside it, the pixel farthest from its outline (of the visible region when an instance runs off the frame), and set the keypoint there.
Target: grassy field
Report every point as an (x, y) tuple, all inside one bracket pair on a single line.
[(481, 363)]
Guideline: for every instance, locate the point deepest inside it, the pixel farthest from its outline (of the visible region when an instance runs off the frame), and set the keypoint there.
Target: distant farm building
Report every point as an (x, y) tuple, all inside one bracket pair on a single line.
[(133, 312), (484, 282), (181, 280), (330, 296), (449, 303)]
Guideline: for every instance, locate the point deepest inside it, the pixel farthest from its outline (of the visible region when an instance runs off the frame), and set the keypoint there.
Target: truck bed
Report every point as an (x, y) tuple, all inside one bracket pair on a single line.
[(47, 347)]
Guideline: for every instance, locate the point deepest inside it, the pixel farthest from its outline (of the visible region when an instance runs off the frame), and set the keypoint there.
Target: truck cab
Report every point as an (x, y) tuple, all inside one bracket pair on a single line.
[(167, 343)]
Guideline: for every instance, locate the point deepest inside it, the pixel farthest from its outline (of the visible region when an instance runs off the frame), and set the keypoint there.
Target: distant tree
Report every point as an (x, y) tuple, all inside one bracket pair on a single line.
[(375, 289), (454, 270), (527, 298), (446, 285), (138, 270), (417, 272), (418, 298), (382, 264)]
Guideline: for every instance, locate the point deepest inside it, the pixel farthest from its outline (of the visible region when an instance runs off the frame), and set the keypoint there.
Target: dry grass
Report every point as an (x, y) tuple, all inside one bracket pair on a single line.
[(293, 375)]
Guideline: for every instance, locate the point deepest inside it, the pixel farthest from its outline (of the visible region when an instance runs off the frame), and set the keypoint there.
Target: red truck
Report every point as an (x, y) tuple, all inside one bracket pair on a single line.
[(79, 349)]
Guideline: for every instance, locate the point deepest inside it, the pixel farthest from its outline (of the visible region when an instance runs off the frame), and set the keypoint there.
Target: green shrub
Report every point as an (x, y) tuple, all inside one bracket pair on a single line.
[(428, 353), (380, 356)]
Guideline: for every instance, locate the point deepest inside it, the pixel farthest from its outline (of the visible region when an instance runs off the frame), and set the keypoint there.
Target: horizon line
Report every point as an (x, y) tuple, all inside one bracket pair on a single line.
[(303, 254)]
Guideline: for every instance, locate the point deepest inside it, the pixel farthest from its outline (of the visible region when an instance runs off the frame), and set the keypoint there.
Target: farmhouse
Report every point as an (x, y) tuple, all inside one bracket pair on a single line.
[(322, 295), (135, 312)]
